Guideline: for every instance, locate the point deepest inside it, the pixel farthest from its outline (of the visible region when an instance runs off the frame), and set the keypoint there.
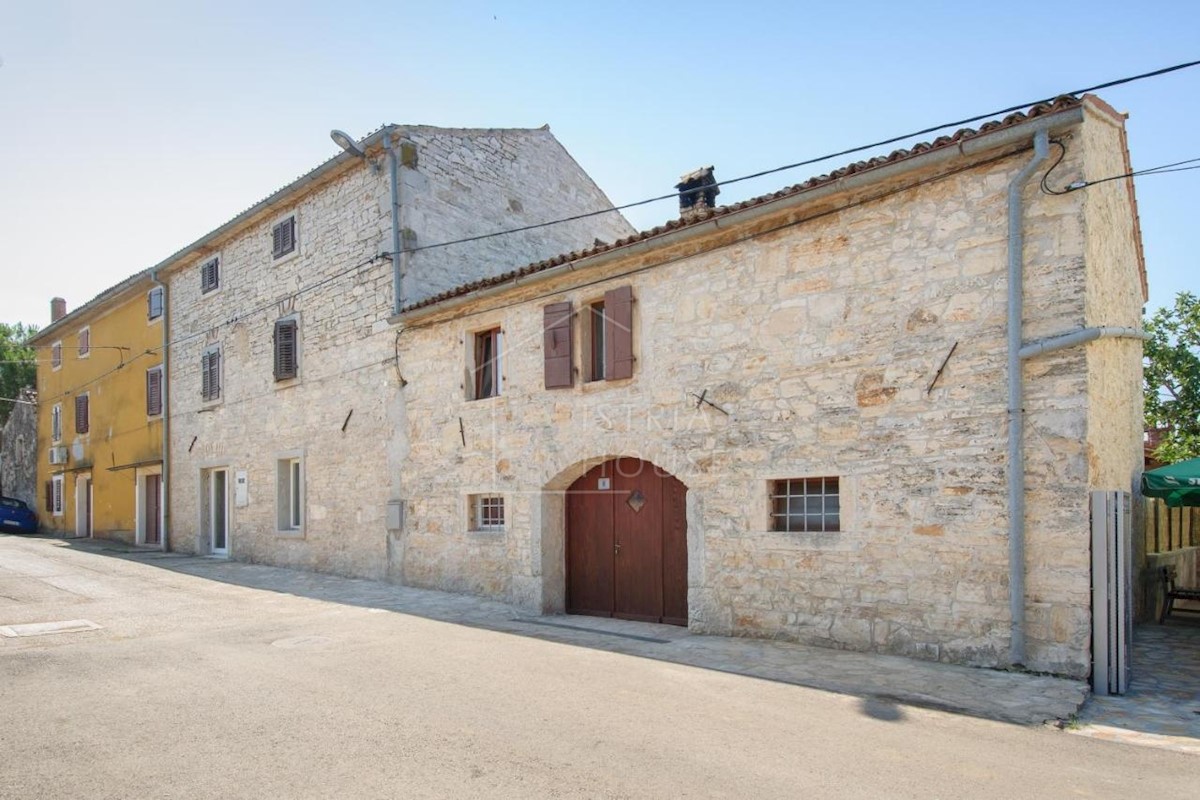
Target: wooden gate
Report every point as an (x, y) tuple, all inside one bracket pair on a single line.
[(627, 543)]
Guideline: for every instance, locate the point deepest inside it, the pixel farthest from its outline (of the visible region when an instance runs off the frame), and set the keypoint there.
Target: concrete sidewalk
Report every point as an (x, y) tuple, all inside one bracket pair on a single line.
[(882, 681)]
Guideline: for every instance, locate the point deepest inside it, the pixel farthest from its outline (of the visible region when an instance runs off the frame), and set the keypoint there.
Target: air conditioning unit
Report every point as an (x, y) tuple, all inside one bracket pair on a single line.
[(58, 455)]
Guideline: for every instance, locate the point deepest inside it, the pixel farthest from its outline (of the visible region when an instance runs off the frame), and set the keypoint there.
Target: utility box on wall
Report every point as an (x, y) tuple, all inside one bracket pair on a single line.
[(1112, 595)]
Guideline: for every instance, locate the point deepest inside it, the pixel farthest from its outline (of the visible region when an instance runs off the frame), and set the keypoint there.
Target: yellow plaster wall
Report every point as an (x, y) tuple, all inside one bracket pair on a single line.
[(120, 433)]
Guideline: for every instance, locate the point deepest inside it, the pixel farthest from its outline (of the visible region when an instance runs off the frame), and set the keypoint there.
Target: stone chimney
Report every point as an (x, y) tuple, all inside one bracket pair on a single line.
[(698, 192), (58, 309)]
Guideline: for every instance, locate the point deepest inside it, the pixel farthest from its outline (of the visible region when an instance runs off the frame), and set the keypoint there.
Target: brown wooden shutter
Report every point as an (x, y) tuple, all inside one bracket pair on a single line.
[(283, 237), (214, 374), (81, 413), (285, 349), (154, 392), (50, 496), (618, 333), (556, 329), (205, 389), (209, 276)]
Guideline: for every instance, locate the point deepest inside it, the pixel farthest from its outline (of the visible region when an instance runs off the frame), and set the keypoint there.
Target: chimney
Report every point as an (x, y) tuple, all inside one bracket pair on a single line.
[(698, 192), (58, 309)]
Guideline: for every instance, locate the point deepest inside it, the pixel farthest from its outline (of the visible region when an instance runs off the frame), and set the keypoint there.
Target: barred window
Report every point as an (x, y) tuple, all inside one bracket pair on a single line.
[(809, 505), (487, 512)]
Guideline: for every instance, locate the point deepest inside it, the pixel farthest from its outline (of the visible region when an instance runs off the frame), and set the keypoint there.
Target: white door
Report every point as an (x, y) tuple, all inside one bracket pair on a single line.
[(218, 511), (83, 506)]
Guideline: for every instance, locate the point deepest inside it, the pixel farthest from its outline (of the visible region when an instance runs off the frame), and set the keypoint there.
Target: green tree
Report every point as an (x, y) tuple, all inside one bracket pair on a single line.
[(18, 364), (1172, 378)]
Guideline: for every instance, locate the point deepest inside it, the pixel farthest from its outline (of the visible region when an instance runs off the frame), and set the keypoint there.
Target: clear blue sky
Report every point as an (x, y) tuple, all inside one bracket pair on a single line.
[(132, 128)]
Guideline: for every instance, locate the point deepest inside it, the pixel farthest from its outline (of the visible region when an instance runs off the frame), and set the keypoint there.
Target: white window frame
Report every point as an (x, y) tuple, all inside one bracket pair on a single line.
[(56, 423), (57, 500), (478, 507), (56, 356), (82, 351), (290, 495)]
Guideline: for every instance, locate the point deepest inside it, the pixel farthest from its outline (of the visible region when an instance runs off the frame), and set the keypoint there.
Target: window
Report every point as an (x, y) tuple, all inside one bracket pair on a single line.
[(56, 423), (154, 387), (487, 512), (808, 505), (54, 495), (290, 494), (210, 275), (56, 355), (85, 342), (154, 303), (283, 237), (287, 351), (596, 342), (486, 377), (210, 374), (82, 422)]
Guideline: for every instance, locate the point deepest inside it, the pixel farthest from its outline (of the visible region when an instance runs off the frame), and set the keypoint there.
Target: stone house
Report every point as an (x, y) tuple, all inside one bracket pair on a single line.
[(788, 417), (283, 384), (18, 450)]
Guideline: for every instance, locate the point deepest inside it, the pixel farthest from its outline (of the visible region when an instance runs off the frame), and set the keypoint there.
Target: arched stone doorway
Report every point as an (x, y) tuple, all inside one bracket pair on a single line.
[(626, 543)]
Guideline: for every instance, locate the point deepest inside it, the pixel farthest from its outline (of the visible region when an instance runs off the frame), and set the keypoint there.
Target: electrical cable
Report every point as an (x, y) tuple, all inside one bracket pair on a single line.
[(1176, 166)]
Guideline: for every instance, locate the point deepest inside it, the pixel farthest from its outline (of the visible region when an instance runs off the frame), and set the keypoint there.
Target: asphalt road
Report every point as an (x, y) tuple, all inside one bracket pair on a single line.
[(196, 688)]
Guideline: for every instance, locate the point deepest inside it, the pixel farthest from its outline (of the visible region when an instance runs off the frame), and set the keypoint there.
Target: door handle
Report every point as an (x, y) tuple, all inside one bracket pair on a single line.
[(617, 549)]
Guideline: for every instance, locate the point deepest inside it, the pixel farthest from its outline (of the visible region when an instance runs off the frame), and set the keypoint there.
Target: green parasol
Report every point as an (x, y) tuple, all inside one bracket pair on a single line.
[(1178, 484)]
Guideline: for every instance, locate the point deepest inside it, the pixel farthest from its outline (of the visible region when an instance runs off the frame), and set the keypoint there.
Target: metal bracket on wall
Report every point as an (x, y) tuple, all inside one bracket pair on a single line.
[(941, 369), (702, 399)]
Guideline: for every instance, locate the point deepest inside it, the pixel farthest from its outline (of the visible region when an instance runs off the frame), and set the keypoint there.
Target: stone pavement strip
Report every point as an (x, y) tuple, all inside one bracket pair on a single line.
[(881, 680)]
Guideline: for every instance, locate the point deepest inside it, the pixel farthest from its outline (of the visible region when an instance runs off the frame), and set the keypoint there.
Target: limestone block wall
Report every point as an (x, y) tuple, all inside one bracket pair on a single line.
[(342, 415), (19, 451), (821, 341)]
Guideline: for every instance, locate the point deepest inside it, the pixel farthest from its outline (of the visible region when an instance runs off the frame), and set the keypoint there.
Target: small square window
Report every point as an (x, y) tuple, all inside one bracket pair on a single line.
[(283, 237), (487, 512), (210, 275), (806, 505), (486, 369)]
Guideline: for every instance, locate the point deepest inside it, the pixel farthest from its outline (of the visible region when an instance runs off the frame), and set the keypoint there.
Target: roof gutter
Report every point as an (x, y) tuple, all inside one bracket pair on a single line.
[(1050, 123)]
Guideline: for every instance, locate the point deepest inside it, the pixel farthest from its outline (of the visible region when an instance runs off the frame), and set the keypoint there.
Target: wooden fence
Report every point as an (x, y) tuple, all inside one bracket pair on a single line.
[(1170, 529)]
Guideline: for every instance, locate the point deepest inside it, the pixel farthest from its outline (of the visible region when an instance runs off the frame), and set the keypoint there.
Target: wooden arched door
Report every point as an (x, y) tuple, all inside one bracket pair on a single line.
[(627, 543)]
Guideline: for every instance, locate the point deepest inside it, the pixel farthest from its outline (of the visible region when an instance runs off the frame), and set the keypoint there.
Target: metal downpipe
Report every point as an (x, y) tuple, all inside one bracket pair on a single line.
[(1016, 448), (163, 534), (398, 298)]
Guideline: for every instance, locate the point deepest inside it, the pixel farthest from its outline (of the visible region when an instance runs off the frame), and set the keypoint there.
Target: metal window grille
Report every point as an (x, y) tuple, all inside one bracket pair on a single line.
[(807, 505), (487, 512)]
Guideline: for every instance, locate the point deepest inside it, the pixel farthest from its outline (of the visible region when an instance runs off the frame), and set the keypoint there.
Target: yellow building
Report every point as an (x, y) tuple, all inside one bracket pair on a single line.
[(101, 396)]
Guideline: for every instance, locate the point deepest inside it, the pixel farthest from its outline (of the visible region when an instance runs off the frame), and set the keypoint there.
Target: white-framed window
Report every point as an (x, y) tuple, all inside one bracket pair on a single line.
[(154, 303), (56, 355), (210, 275), (56, 423), (154, 391), (487, 512), (56, 495), (806, 505), (210, 373), (289, 500), (85, 342), (284, 239), (487, 366)]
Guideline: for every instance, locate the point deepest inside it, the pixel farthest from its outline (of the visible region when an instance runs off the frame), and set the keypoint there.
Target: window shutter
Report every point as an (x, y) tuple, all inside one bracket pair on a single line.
[(214, 374), (50, 496), (154, 303), (283, 237), (81, 413), (205, 389), (618, 333), (557, 345), (153, 392), (209, 276), (285, 349)]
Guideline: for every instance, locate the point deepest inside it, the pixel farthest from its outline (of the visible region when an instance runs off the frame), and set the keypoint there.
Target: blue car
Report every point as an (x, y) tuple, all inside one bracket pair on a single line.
[(16, 517)]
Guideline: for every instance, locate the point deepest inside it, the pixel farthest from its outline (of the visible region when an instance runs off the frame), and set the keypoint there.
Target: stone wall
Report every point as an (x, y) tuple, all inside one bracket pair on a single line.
[(18, 453), (821, 340), (342, 413)]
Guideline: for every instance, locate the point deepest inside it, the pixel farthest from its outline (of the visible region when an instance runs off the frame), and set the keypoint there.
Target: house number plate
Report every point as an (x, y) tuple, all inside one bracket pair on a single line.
[(604, 484)]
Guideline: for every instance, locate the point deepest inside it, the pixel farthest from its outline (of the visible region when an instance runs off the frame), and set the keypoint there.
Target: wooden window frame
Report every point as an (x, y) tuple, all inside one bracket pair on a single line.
[(595, 341), (150, 407), (83, 422), (487, 513), (806, 505), (210, 275), (282, 247), (210, 393), (487, 363), (157, 292)]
